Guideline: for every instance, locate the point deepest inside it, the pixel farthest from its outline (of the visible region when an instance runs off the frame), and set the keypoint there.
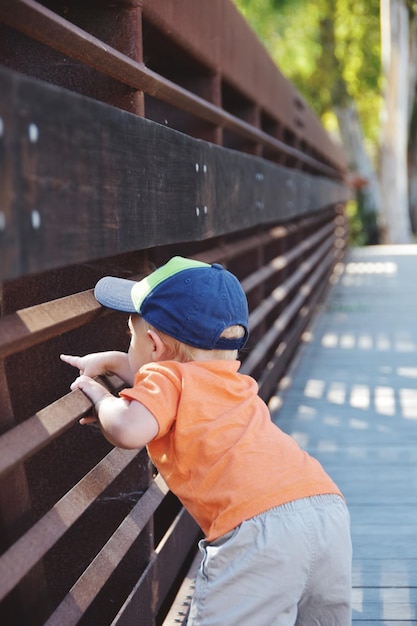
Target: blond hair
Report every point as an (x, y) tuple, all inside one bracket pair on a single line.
[(182, 352)]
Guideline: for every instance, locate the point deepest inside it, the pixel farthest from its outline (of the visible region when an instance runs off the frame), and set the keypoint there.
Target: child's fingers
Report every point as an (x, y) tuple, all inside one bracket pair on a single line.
[(77, 384), (82, 382), (88, 420), (71, 360)]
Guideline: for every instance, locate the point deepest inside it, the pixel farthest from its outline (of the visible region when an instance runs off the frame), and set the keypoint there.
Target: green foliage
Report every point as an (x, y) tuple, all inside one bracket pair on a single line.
[(295, 32), (412, 6), (358, 50), (363, 227), (330, 50)]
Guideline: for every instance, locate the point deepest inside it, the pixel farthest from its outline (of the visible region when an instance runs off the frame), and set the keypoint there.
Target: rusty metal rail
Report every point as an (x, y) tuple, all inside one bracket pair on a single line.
[(52, 30), (38, 22)]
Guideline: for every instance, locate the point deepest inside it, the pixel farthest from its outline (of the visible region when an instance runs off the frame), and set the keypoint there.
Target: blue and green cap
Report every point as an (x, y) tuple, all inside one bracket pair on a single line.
[(189, 300)]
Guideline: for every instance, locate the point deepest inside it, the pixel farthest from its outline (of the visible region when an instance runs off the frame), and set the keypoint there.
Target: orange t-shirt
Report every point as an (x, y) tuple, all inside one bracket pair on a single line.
[(217, 448)]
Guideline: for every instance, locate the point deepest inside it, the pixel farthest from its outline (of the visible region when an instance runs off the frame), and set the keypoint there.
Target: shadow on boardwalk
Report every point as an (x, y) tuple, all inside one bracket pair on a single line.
[(351, 401)]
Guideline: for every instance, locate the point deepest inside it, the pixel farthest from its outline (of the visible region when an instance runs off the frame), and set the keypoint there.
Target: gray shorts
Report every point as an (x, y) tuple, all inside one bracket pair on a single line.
[(288, 566)]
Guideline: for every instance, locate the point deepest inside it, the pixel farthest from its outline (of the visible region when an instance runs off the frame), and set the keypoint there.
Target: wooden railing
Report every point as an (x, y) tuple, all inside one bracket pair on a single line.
[(152, 138)]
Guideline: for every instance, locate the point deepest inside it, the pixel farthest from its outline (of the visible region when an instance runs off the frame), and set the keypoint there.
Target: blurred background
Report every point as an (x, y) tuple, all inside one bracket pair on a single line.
[(355, 64)]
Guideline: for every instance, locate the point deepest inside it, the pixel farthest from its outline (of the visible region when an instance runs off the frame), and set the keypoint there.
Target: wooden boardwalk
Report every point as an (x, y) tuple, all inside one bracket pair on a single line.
[(350, 399)]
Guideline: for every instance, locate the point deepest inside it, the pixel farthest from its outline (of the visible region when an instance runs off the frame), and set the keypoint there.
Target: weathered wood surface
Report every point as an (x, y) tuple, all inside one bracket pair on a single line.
[(165, 59), (351, 401), (85, 180), (283, 271)]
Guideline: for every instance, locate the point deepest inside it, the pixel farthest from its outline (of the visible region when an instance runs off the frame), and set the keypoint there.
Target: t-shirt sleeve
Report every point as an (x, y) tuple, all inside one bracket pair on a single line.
[(158, 388)]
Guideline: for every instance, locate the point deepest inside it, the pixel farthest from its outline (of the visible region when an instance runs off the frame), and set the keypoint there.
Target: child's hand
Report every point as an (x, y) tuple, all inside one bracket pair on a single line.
[(102, 363), (91, 365), (94, 391), (127, 424)]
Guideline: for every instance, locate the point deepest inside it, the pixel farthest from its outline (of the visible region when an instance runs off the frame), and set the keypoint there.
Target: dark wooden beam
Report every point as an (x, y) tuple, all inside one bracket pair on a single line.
[(84, 180)]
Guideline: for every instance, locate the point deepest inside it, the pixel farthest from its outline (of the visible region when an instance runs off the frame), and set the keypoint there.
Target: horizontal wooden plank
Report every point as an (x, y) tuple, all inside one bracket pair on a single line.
[(250, 71), (283, 320), (286, 349), (21, 442), (279, 294), (389, 547), (138, 184), (380, 515), (17, 561), (33, 325), (175, 547), (26, 439), (29, 327), (84, 591), (384, 603), (282, 261), (51, 29), (382, 569)]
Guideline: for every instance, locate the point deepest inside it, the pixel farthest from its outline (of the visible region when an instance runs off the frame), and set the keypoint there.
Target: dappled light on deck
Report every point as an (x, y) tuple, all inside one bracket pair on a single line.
[(351, 401)]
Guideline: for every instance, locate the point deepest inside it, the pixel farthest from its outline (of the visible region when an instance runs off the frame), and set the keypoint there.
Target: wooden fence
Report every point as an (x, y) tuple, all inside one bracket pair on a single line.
[(131, 131)]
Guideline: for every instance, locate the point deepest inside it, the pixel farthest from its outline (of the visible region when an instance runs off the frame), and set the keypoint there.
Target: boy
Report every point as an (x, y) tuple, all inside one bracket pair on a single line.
[(277, 548)]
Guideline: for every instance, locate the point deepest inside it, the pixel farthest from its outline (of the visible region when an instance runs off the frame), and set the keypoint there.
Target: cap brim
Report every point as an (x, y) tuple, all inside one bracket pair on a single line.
[(115, 293)]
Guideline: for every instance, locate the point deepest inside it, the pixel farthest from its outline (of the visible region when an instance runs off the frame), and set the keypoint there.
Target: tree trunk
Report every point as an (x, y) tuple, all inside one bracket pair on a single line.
[(412, 181), (412, 66), (350, 129), (412, 124), (358, 159), (393, 152)]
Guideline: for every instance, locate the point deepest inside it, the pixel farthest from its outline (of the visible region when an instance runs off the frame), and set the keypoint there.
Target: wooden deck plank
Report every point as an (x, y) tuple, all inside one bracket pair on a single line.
[(350, 399)]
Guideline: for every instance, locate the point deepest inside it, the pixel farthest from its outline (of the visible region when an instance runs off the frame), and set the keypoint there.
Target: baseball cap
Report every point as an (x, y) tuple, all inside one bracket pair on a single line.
[(189, 300)]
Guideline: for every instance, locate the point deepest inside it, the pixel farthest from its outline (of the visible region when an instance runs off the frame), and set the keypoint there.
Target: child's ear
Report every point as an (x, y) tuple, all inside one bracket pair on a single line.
[(160, 350)]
